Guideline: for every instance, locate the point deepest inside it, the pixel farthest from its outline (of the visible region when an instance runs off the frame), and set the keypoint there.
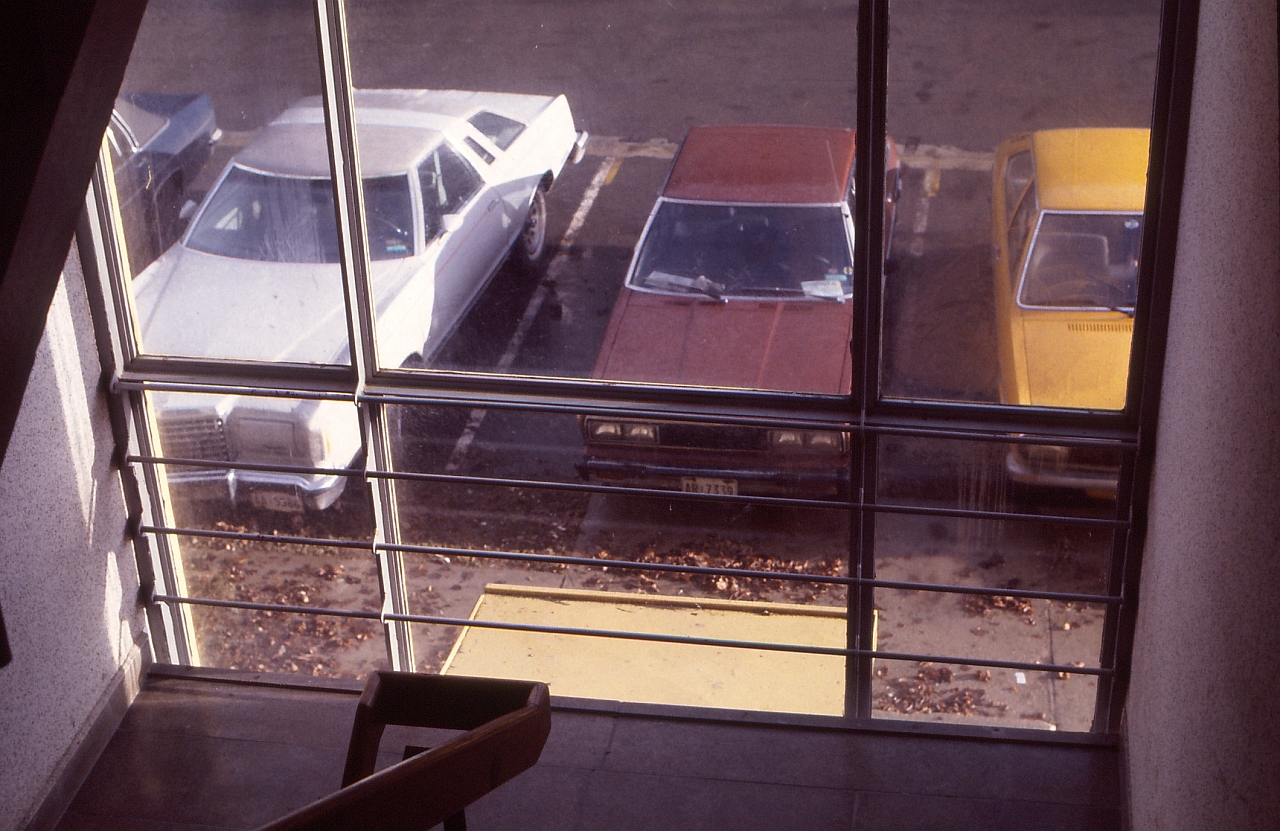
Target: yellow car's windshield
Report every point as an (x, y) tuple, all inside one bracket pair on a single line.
[(1083, 261)]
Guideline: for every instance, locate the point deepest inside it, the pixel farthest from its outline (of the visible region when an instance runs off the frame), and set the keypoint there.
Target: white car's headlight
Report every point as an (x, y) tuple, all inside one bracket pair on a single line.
[(331, 435)]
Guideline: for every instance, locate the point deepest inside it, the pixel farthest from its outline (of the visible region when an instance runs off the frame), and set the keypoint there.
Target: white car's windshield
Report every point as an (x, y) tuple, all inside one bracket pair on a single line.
[(1084, 261), (255, 216), (754, 250)]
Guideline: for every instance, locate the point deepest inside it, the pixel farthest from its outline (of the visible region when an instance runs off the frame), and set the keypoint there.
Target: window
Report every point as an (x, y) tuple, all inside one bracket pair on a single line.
[(756, 408)]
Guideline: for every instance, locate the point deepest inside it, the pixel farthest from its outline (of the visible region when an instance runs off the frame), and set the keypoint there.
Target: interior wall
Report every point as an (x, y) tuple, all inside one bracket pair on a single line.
[(68, 582), (1203, 726)]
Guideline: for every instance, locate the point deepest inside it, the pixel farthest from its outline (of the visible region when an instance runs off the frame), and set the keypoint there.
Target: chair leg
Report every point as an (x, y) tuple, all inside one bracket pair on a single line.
[(457, 822)]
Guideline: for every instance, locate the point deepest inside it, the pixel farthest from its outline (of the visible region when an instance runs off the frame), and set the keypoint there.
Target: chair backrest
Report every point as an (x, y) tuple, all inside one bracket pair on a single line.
[(507, 724)]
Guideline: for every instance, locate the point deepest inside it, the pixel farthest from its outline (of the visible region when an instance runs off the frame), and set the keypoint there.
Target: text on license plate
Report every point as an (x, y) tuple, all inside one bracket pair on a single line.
[(701, 484), (275, 501)]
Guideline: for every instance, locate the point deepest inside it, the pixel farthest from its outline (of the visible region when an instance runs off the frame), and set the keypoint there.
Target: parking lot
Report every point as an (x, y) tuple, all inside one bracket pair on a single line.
[(637, 76)]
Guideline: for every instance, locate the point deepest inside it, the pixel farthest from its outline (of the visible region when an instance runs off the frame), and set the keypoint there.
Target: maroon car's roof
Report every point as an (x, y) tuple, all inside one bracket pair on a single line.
[(763, 163)]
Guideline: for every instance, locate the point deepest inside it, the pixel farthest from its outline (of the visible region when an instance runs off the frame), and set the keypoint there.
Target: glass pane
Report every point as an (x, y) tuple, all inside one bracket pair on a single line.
[(1012, 554), (990, 697), (1016, 476), (223, 183), (745, 268), (312, 445), (1024, 175), (283, 574), (793, 601)]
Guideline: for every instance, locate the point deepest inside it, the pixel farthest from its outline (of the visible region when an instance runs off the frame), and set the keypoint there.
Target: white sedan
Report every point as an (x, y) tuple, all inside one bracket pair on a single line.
[(454, 181)]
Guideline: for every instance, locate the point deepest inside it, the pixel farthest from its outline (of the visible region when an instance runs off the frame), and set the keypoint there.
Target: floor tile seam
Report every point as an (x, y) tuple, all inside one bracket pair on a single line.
[(568, 766), (730, 780), (134, 818), (970, 796), (189, 735), (580, 802)]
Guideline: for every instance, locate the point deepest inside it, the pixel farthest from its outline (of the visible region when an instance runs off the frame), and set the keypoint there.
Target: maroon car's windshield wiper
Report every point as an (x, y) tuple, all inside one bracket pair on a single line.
[(699, 284)]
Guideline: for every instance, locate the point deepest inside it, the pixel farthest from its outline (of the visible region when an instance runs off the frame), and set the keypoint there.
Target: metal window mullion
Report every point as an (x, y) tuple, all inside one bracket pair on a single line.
[(339, 108), (1115, 586), (869, 165), (176, 626), (1175, 74), (172, 633), (95, 245)]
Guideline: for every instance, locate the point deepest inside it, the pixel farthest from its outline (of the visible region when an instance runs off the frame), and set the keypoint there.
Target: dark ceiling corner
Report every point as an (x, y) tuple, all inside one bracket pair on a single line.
[(61, 62)]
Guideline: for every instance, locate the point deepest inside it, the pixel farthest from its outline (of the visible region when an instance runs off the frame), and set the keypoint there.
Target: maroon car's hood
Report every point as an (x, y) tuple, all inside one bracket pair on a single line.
[(789, 345)]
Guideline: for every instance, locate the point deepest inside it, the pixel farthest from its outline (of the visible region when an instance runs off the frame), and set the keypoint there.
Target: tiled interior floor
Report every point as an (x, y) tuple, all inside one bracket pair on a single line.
[(203, 753)]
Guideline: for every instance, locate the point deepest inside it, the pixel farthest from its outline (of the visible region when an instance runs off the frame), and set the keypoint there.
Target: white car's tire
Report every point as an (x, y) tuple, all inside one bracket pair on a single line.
[(532, 242)]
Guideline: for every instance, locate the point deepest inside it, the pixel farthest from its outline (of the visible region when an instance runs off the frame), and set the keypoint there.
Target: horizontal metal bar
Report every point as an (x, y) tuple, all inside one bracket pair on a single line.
[(720, 412), (796, 577), (253, 536), (589, 396), (639, 636), (174, 461), (969, 513), (319, 392), (783, 501), (635, 565), (592, 488), (816, 413)]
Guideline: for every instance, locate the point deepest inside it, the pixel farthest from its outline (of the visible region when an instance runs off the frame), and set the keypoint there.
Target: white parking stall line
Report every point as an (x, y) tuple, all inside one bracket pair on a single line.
[(932, 183), (620, 148), (604, 174), (941, 157)]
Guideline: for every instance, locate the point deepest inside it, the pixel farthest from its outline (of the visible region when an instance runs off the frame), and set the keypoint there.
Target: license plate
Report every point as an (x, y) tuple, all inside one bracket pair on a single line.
[(276, 501), (701, 484)]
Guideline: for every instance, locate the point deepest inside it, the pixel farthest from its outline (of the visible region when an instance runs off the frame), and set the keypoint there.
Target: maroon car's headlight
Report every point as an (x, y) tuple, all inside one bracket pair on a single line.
[(634, 432), (820, 440)]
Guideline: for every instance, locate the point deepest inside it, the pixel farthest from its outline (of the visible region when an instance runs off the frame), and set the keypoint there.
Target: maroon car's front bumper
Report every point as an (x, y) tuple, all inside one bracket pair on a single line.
[(824, 477)]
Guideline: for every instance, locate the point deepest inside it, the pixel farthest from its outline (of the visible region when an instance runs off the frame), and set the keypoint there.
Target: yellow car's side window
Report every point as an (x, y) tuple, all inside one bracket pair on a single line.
[(1020, 226), (1018, 173)]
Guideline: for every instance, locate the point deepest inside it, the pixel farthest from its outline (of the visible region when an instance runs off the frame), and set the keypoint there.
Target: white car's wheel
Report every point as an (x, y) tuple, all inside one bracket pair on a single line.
[(532, 241)]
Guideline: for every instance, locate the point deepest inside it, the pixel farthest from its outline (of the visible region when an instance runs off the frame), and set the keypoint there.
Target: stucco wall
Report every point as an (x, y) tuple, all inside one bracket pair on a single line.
[(67, 577), (1203, 719)]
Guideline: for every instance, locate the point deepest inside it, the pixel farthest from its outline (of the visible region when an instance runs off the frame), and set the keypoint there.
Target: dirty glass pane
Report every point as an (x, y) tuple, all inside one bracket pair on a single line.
[(284, 642), (1023, 129), (1018, 476), (787, 601), (313, 445), (227, 214), (989, 697), (519, 258), (1004, 555)]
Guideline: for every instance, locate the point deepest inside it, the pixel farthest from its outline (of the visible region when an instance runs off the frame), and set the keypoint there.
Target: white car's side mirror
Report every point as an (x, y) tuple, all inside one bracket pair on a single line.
[(451, 222)]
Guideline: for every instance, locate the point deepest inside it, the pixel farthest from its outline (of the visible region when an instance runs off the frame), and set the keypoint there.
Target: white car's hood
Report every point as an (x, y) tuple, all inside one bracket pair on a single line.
[(201, 305)]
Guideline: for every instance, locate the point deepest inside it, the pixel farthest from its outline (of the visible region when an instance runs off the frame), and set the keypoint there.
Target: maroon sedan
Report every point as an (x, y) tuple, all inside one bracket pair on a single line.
[(741, 279)]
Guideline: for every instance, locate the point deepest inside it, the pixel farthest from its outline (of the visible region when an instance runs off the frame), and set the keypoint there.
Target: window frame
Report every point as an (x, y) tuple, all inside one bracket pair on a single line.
[(865, 414)]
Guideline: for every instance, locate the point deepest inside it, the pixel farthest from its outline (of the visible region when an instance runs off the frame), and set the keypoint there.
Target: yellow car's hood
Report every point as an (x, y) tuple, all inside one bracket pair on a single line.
[(1078, 363)]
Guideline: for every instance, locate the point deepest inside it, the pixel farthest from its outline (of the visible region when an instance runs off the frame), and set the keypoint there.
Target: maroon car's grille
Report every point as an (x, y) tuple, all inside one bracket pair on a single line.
[(193, 436), (712, 436)]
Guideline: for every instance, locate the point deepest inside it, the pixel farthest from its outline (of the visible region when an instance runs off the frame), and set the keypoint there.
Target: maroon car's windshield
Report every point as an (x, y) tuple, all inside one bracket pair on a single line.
[(751, 250)]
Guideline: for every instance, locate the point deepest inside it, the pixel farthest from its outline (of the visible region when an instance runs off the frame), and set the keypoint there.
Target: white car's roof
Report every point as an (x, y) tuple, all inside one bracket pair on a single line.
[(395, 129)]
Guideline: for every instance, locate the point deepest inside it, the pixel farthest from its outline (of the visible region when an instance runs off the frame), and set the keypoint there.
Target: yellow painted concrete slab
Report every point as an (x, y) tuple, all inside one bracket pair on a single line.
[(662, 673)]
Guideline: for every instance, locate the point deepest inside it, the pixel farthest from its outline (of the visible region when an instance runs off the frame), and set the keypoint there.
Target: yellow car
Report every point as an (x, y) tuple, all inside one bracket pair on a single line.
[(1066, 232)]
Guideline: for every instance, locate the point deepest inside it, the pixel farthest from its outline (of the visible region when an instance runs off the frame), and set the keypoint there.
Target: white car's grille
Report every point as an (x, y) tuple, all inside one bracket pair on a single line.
[(194, 436)]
